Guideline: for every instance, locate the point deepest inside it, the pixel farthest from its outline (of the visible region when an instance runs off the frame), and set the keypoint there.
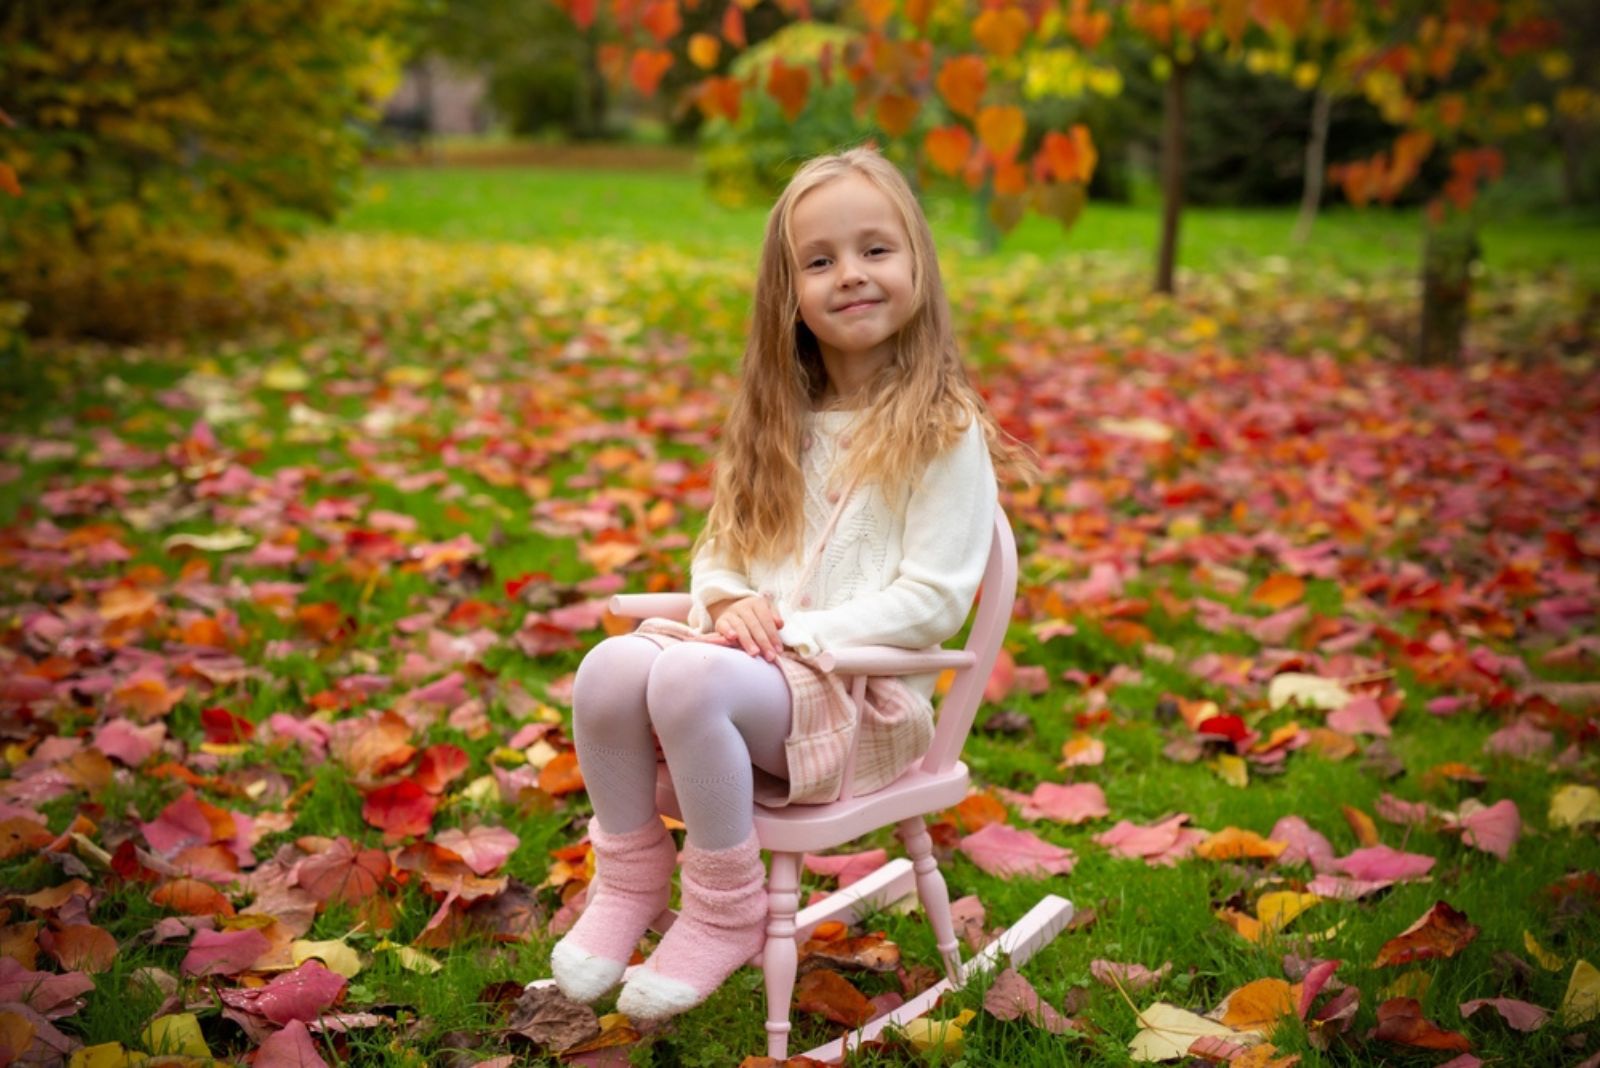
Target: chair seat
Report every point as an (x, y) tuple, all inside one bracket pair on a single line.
[(810, 828)]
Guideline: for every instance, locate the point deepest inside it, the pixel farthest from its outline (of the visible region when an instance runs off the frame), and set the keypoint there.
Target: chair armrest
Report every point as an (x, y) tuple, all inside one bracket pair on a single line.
[(673, 606), (892, 660)]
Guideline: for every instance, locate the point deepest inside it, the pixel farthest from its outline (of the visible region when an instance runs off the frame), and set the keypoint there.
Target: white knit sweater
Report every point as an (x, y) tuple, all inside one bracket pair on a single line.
[(900, 569)]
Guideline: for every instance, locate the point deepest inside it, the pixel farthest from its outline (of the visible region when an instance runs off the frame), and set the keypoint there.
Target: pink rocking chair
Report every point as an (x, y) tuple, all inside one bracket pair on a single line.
[(935, 783)]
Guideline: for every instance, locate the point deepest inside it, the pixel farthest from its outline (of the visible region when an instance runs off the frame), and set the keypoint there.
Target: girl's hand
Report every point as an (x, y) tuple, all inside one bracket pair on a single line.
[(751, 622)]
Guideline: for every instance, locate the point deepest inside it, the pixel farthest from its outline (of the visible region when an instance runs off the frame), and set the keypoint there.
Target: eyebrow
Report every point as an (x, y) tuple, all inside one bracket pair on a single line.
[(868, 232)]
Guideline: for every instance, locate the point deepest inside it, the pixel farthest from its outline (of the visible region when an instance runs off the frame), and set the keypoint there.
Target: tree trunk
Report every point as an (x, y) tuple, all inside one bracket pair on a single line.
[(985, 231), (1571, 164), (1316, 165), (1171, 177), (1447, 257)]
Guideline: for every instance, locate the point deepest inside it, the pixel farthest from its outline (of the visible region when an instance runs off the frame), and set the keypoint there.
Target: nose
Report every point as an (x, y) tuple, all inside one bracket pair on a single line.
[(850, 272)]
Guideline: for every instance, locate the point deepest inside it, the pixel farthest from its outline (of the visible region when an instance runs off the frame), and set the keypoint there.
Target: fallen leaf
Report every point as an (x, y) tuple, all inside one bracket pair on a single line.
[(1574, 806), (1082, 751), (291, 1047), (1233, 843), (338, 955), (1439, 932), (1307, 691), (1365, 830), (177, 1034), (1382, 862), (1258, 1005), (224, 952), (1546, 959), (1072, 803), (1169, 1031), (483, 848), (846, 867), (870, 953), (303, 994), (1400, 1020), (1006, 851), (1520, 1015), (1581, 1003), (945, 1036), (1011, 996), (550, 1019), (831, 995), (1492, 828)]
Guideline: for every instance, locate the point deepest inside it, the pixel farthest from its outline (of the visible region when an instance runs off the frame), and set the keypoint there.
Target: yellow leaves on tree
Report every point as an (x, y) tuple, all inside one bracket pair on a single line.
[(703, 50)]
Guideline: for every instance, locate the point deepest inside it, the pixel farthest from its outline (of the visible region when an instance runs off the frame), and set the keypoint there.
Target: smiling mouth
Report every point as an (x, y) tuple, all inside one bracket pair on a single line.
[(858, 304)]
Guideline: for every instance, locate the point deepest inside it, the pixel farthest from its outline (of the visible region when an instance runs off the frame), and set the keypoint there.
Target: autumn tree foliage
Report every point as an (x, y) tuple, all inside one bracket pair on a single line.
[(136, 127)]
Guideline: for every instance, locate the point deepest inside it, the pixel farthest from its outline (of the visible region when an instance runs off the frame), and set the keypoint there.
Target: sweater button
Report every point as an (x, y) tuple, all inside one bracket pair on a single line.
[(806, 442), (833, 496), (844, 441), (805, 600)]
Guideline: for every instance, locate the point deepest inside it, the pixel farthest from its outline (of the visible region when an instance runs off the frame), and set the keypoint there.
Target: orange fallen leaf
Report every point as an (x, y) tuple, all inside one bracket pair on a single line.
[(1365, 829), (561, 775), (1259, 1005), (192, 897), (976, 811), (1233, 843), (1279, 591), (832, 996)]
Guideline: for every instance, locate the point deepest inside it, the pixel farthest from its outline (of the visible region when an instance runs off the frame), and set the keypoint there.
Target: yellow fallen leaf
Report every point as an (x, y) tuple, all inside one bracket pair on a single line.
[(1546, 959), (105, 1055), (1582, 1001), (176, 1034), (408, 375), (413, 960), (944, 1035), (1231, 770), (285, 376), (1308, 691), (483, 790), (336, 954), (1574, 806), (1139, 428), (1277, 909), (1259, 1005), (1412, 984), (221, 541), (1169, 1032)]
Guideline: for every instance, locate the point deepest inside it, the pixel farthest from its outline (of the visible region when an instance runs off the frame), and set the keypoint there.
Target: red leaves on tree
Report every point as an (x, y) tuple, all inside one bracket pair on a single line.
[(961, 82), (789, 87)]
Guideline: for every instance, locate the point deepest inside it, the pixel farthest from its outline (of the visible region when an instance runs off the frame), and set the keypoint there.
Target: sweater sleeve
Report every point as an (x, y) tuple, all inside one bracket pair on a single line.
[(948, 528), (710, 581)]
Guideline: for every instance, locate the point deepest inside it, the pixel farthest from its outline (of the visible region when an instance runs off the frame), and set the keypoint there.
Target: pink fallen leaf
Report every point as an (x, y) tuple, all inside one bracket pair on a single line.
[(1011, 996), (1382, 862), (846, 867), (1306, 845), (1312, 984), (302, 994), (47, 993), (1002, 676), (224, 952), (1405, 813), (128, 742), (1132, 977), (1163, 843), (1082, 751), (1520, 739), (292, 1047), (1521, 1015), (1492, 828), (186, 822), (484, 849), (1071, 803), (1362, 715), (1467, 1060), (1002, 850), (1340, 888)]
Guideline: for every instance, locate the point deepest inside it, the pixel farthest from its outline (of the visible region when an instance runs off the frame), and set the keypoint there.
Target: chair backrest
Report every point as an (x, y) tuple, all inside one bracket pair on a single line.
[(996, 596)]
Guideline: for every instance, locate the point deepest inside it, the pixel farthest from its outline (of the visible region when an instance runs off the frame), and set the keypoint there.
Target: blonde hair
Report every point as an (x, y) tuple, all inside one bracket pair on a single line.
[(917, 405)]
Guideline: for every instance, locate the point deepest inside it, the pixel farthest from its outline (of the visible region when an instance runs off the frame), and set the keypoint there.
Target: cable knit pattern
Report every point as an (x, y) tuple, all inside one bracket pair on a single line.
[(900, 569)]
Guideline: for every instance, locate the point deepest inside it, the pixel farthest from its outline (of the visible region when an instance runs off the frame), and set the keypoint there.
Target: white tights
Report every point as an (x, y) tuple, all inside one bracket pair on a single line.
[(718, 712)]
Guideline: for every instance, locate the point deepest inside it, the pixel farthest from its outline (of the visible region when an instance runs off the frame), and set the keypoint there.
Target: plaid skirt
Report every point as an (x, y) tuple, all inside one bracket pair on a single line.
[(896, 726)]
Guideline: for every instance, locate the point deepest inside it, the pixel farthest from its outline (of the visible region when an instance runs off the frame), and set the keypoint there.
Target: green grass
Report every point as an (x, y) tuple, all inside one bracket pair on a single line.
[(532, 205)]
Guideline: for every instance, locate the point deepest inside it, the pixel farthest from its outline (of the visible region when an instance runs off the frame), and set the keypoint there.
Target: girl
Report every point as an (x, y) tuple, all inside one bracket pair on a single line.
[(853, 503)]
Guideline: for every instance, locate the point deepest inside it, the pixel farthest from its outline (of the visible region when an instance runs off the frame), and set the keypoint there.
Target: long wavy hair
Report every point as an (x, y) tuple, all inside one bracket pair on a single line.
[(917, 405)]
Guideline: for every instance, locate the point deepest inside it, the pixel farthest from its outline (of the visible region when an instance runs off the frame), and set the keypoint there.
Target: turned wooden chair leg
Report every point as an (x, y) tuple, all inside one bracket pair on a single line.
[(781, 955), (934, 894)]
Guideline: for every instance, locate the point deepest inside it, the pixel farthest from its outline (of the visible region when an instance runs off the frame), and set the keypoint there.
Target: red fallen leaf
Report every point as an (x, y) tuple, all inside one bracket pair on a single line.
[(847, 867), (562, 775), (1440, 932), (1333, 1018), (186, 822), (342, 874), (440, 766), (224, 952), (1002, 850), (192, 898), (1230, 727), (400, 809), (302, 994), (831, 995), (1312, 984), (224, 728), (292, 1047), (1400, 1020)]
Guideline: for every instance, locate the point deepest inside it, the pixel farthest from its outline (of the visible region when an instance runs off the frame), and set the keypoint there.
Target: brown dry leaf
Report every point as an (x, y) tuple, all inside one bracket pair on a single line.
[(869, 953), (80, 947), (1400, 1020), (1232, 843), (1440, 932), (546, 1016), (615, 1030), (1365, 829), (831, 995)]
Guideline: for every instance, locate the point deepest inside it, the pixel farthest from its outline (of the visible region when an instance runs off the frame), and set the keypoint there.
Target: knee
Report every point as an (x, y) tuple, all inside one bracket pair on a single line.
[(683, 688), (611, 679)]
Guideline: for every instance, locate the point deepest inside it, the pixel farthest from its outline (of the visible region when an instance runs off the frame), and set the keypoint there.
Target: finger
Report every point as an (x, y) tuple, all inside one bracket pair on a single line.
[(746, 640)]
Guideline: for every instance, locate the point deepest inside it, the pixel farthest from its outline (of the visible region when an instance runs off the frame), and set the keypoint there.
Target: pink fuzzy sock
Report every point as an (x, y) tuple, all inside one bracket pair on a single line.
[(721, 925), (633, 878)]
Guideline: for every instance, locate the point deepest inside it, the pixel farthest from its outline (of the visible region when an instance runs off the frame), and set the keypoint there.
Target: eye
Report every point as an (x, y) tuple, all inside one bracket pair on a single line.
[(879, 250), (820, 261)]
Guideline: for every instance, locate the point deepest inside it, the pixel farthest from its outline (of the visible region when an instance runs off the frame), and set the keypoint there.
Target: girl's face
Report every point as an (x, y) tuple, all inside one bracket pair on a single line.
[(853, 272)]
